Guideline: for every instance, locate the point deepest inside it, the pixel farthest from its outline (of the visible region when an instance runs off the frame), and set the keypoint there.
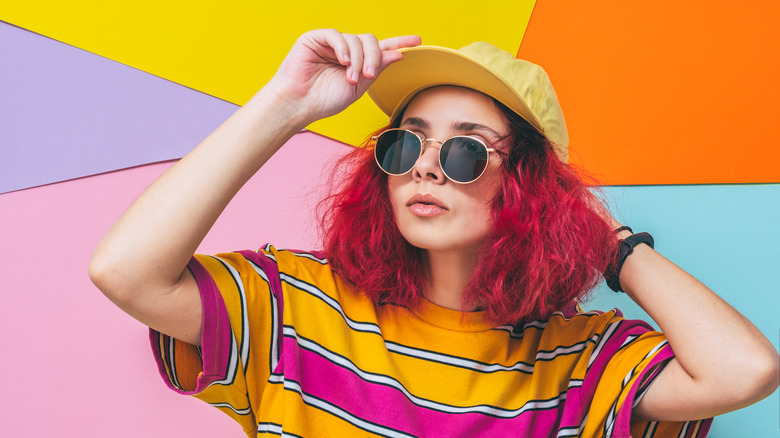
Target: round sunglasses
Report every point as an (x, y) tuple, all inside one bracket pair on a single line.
[(463, 159)]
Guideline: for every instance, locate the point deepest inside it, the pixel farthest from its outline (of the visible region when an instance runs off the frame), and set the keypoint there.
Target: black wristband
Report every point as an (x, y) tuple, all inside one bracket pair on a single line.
[(625, 248), (624, 228)]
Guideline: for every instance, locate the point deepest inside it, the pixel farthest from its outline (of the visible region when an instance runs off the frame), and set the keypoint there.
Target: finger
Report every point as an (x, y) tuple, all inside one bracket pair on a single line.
[(355, 57), (399, 42), (390, 46), (335, 41), (371, 55)]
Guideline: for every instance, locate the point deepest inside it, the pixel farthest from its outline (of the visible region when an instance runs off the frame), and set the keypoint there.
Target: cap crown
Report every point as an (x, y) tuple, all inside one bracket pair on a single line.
[(530, 84), (522, 86)]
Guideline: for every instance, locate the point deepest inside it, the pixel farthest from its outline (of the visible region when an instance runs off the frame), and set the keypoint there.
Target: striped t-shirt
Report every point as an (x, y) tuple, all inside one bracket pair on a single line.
[(290, 348)]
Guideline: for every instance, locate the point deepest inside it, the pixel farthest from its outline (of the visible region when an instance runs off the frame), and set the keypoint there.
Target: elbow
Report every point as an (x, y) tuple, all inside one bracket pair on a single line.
[(761, 376), (103, 272), (99, 271), (769, 374)]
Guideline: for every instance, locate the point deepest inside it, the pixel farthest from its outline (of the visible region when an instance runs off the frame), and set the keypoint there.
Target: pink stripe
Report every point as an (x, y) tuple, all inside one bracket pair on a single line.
[(388, 406), (215, 335), (271, 271)]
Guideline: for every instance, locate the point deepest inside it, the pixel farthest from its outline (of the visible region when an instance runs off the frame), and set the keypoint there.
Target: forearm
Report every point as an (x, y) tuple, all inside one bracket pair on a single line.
[(722, 361), (155, 238)]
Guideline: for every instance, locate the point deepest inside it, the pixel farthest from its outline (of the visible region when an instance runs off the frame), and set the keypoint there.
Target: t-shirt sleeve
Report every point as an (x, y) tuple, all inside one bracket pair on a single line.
[(230, 369), (627, 357)]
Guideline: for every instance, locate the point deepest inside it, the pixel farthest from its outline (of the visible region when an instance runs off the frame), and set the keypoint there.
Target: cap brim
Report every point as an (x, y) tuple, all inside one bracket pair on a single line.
[(428, 66)]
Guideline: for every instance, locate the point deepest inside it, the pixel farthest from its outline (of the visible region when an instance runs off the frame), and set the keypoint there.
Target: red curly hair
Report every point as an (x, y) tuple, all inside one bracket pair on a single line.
[(549, 246)]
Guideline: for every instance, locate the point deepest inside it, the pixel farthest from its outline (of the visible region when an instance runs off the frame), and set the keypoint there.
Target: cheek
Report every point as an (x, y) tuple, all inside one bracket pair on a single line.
[(487, 188), (394, 192)]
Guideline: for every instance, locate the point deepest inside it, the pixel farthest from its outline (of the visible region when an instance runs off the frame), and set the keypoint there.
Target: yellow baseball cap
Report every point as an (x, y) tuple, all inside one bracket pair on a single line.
[(522, 86)]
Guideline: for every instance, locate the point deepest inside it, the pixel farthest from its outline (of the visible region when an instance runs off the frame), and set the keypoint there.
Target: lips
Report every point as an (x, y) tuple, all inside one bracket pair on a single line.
[(425, 199), (425, 205)]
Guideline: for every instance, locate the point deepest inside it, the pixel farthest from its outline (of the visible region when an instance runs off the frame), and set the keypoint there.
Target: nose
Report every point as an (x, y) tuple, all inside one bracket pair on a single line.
[(427, 167)]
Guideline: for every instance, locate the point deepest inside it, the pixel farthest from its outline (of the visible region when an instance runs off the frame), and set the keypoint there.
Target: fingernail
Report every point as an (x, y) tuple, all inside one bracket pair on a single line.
[(354, 76), (371, 71)]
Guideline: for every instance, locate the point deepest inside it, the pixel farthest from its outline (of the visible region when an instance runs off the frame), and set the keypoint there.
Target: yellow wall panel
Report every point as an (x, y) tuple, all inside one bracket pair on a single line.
[(230, 49)]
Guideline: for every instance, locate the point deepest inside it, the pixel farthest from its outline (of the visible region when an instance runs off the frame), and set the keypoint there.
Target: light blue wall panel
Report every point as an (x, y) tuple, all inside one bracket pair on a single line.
[(727, 236)]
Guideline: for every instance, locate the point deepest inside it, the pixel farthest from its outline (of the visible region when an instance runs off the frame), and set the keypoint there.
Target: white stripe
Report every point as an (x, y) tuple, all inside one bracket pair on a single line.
[(457, 361), (274, 429), (651, 430), (584, 420), (604, 338), (547, 355), (629, 339), (245, 411), (515, 334), (684, 429), (610, 421), (310, 256), (354, 325), (627, 378), (568, 432), (341, 413), (269, 428), (656, 348), (172, 361)]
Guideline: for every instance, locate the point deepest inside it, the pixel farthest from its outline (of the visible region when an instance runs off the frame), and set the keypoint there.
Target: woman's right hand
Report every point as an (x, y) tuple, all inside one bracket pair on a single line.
[(326, 71)]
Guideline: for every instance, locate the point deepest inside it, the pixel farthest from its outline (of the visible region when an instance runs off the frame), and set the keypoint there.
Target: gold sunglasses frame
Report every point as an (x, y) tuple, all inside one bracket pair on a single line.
[(423, 146)]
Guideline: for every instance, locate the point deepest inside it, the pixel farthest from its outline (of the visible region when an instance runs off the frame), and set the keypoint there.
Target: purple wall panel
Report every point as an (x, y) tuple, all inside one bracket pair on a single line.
[(67, 113)]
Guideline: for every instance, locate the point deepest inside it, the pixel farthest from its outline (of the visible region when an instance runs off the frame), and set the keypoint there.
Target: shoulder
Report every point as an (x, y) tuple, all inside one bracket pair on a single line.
[(593, 327), (269, 260), (307, 272)]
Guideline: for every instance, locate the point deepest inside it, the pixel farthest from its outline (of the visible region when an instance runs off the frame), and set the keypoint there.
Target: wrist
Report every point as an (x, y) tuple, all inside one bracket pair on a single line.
[(286, 110), (623, 234), (626, 248)]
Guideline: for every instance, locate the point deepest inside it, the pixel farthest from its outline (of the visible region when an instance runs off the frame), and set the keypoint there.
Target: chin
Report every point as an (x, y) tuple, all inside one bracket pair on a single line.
[(441, 243)]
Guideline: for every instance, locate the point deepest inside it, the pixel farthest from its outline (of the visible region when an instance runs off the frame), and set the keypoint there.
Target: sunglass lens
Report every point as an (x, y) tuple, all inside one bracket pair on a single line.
[(397, 151), (463, 159)]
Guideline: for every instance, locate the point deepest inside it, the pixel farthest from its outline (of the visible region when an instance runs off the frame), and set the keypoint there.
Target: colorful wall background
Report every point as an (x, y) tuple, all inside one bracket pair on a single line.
[(672, 106)]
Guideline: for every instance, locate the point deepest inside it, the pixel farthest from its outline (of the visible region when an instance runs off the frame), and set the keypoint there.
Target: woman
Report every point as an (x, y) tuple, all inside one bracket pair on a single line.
[(444, 304)]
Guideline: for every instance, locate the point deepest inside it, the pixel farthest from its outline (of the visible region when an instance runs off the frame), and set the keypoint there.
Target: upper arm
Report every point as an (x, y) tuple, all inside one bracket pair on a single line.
[(675, 396), (178, 313), (174, 310)]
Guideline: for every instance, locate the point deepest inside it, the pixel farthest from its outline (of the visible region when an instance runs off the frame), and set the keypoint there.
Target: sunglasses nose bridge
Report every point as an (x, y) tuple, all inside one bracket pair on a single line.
[(426, 143), (429, 165)]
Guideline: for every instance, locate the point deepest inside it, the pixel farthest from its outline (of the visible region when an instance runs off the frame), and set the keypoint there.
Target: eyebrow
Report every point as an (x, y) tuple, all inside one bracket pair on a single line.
[(457, 126)]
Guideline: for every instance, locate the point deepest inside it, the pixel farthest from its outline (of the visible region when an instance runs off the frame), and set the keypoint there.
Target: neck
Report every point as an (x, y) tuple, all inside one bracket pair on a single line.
[(448, 274)]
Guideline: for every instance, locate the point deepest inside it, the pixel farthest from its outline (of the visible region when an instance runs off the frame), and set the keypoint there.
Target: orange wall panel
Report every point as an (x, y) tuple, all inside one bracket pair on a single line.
[(665, 92)]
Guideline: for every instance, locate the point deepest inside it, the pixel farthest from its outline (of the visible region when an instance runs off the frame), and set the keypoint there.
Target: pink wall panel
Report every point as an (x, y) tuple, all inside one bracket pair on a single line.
[(75, 365)]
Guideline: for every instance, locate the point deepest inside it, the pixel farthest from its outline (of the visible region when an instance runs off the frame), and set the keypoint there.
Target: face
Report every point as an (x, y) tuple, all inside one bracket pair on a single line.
[(431, 211)]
